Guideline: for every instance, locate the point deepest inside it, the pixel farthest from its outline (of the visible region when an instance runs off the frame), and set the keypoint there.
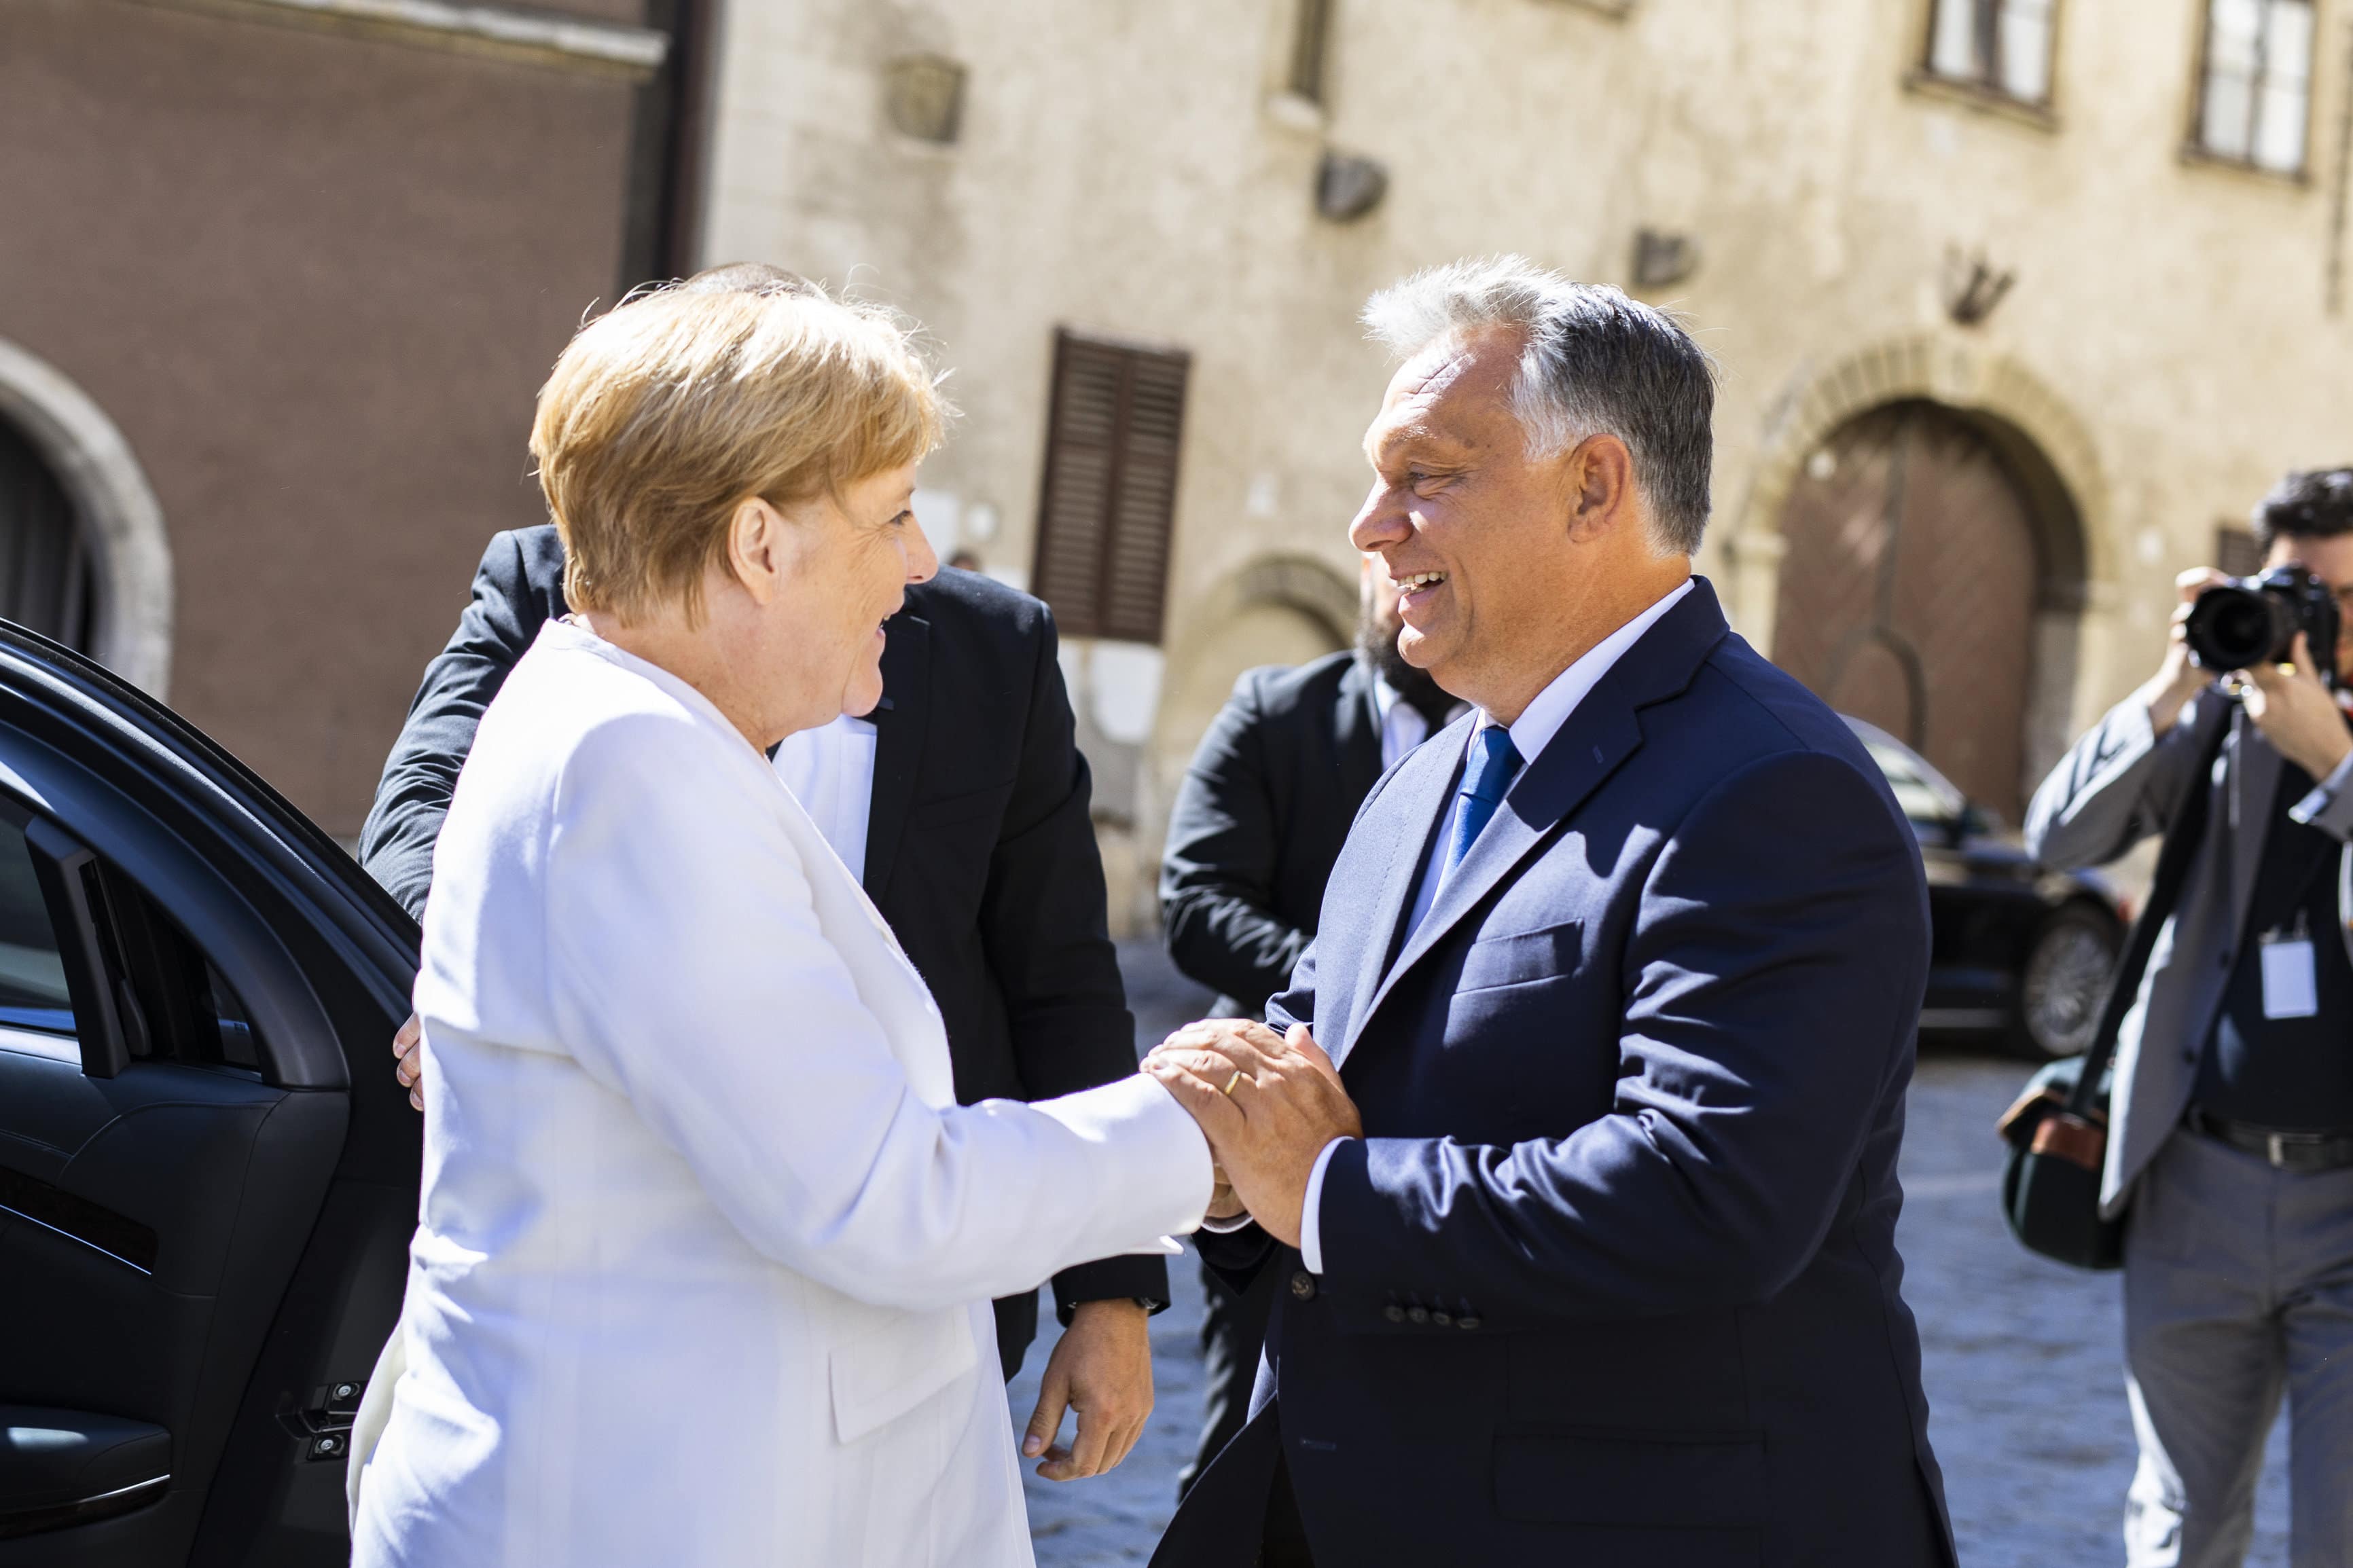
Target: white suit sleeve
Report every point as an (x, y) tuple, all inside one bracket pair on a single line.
[(692, 976)]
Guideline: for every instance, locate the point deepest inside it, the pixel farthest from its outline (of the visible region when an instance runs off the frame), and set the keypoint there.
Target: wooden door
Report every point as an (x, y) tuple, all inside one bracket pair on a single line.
[(1907, 591), (45, 575)]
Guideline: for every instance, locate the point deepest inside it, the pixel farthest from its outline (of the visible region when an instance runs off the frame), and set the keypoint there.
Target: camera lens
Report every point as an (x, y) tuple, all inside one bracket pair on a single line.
[(2231, 627)]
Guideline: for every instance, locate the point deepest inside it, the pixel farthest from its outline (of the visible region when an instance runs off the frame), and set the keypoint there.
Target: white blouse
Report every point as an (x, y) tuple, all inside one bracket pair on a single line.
[(707, 1247)]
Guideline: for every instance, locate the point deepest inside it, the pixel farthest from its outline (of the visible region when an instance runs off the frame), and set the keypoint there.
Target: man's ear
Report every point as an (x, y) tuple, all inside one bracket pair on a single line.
[(758, 551), (1599, 477)]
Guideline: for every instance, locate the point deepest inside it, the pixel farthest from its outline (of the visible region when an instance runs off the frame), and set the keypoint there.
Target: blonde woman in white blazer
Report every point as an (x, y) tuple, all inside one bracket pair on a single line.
[(707, 1245)]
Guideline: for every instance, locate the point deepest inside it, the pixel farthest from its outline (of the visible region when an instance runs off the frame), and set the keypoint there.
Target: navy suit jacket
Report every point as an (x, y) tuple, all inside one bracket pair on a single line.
[(1611, 1278)]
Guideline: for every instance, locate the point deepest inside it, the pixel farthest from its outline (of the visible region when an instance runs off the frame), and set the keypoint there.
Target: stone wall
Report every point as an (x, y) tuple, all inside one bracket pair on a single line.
[(2168, 347)]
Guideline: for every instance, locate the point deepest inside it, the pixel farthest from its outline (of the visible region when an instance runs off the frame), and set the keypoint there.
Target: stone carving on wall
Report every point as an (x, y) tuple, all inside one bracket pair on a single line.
[(924, 95)]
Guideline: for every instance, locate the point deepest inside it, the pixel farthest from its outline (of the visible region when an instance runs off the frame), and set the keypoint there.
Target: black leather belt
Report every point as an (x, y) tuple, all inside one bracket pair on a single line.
[(2285, 1151)]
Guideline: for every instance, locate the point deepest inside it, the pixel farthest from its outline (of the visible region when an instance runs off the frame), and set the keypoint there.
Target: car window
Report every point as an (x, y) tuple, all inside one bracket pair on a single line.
[(32, 976), (187, 1010), (1922, 798)]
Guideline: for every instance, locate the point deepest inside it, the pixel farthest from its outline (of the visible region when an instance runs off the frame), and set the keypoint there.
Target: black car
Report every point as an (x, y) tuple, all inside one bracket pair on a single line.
[(2016, 950), (207, 1178)]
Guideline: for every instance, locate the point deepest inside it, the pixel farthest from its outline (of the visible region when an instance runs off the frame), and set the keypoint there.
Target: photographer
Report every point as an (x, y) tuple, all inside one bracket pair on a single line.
[(2232, 1106)]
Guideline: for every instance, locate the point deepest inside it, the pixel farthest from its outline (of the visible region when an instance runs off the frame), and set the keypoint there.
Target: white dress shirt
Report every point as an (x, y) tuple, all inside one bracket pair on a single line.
[(1532, 732), (830, 770), (1402, 725)]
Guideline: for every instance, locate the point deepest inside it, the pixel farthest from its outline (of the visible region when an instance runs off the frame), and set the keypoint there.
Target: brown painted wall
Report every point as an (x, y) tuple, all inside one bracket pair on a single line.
[(316, 280)]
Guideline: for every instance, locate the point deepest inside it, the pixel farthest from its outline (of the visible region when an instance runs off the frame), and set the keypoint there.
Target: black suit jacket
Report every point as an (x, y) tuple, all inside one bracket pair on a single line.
[(1260, 819), (1612, 1276), (979, 849)]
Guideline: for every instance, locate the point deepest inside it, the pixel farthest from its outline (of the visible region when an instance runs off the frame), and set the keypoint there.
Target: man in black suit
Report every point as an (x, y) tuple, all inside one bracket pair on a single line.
[(980, 852), (1257, 824)]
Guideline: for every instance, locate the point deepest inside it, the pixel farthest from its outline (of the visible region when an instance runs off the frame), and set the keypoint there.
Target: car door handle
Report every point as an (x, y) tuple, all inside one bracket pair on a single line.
[(64, 1468)]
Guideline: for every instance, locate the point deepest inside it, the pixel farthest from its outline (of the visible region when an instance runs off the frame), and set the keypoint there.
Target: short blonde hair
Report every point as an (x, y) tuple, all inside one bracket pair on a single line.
[(665, 414)]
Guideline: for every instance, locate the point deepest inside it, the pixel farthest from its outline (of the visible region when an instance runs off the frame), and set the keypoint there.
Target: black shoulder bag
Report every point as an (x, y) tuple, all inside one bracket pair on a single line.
[(2058, 1131)]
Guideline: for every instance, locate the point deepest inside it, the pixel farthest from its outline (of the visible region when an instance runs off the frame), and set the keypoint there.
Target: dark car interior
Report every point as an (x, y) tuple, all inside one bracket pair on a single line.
[(206, 1186)]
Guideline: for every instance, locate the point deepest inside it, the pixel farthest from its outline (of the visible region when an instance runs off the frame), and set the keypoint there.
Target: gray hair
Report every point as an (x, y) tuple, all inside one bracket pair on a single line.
[(1595, 363)]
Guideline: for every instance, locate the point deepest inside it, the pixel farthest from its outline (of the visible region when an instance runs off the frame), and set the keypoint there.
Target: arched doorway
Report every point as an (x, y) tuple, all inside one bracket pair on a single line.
[(1930, 557), (46, 580), (59, 441)]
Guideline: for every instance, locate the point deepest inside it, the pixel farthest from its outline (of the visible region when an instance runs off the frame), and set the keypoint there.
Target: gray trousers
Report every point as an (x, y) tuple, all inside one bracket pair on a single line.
[(2238, 1288)]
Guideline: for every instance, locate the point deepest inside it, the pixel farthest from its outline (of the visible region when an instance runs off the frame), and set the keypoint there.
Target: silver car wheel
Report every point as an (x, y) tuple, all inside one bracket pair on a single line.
[(2065, 984)]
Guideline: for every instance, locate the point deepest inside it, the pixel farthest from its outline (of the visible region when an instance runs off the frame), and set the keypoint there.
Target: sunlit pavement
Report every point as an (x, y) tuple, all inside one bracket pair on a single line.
[(2023, 1357)]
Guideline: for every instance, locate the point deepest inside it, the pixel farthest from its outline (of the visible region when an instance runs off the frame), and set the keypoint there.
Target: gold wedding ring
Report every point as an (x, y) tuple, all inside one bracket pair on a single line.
[(1229, 1090)]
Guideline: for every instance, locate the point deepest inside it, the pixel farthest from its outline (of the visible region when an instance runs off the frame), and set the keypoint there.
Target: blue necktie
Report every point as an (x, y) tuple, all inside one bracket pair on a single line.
[(1494, 762)]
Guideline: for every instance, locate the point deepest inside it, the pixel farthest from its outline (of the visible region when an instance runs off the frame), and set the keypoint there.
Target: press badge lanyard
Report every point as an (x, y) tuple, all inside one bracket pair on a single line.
[(2291, 989), (2291, 986)]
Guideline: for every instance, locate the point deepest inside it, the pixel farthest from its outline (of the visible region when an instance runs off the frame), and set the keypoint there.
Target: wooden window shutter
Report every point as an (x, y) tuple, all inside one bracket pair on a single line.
[(1109, 500), (2237, 551)]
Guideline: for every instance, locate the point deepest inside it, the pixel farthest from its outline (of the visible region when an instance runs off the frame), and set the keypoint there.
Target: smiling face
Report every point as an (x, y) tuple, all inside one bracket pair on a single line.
[(860, 552), (1474, 534), (1510, 567)]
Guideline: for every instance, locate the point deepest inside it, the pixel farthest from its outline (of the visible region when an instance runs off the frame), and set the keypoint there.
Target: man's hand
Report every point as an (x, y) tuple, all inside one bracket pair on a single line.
[(1102, 1371), (408, 1050), (2179, 679), (2296, 713), (1267, 1105)]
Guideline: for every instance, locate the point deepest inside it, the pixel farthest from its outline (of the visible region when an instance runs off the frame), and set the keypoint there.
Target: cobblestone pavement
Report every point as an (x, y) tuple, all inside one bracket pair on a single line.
[(2023, 1357)]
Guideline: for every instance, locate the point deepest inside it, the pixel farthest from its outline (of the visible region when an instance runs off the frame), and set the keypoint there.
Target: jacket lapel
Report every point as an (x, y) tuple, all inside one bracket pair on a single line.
[(900, 721), (1357, 727), (1599, 735), (1416, 799)]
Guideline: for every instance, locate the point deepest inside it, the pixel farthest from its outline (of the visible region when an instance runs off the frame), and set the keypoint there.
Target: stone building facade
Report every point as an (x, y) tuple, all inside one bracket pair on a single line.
[(2017, 302), (278, 282)]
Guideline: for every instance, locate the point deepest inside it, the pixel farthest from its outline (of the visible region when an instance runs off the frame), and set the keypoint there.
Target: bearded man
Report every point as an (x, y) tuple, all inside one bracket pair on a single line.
[(1257, 824)]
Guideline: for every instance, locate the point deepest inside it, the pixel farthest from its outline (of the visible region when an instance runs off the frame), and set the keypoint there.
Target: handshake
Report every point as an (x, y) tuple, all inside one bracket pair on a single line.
[(1267, 1104)]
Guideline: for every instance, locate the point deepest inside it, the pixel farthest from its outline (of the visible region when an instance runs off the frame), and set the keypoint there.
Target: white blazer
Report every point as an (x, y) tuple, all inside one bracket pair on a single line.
[(707, 1247)]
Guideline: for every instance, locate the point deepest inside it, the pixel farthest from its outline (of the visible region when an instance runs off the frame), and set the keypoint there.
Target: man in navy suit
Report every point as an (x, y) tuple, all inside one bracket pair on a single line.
[(1586, 1223)]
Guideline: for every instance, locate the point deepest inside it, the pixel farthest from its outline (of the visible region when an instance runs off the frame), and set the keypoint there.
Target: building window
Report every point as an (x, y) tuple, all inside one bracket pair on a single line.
[(46, 581), (1999, 46), (2237, 551), (1110, 492), (2256, 91)]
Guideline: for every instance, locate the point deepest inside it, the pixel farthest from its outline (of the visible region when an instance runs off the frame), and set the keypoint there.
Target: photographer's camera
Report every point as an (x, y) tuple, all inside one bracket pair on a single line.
[(2253, 620)]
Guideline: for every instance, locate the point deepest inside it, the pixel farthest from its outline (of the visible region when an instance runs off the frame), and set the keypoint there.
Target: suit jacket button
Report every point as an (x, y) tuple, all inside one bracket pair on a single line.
[(1393, 1312), (1303, 1285), (1417, 1314), (1443, 1320), (1466, 1323)]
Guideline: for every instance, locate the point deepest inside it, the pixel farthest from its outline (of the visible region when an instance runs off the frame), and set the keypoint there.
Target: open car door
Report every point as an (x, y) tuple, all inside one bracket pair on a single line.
[(207, 1177)]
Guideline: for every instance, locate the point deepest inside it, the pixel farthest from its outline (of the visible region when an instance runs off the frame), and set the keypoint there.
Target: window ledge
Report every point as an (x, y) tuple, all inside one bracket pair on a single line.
[(1985, 99), (2194, 156)]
